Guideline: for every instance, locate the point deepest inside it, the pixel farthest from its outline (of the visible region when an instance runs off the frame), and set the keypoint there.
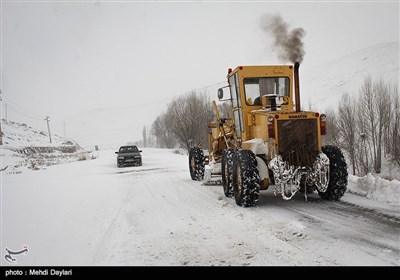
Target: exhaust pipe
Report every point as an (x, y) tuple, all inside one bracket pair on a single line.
[(297, 86)]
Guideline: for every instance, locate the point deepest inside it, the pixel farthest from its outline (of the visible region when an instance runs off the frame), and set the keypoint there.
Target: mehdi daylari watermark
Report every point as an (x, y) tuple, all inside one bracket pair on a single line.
[(9, 255)]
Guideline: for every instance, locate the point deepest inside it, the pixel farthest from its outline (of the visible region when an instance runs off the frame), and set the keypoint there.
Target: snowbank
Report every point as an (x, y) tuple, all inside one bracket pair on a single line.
[(376, 188)]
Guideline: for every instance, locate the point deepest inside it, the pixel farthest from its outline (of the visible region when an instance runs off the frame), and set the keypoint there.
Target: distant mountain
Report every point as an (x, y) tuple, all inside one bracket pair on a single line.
[(322, 86)]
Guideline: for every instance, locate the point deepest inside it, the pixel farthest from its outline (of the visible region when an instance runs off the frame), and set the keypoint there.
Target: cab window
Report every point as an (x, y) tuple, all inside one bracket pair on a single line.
[(254, 88)]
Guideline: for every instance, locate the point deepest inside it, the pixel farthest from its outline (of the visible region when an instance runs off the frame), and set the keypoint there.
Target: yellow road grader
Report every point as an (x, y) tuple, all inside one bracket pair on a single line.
[(268, 140)]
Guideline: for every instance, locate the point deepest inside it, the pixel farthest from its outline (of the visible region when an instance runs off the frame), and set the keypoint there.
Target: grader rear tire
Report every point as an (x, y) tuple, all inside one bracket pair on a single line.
[(246, 179), (227, 171)]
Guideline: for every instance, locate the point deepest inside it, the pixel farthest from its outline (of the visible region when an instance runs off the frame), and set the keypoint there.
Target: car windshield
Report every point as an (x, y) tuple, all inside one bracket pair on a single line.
[(128, 149)]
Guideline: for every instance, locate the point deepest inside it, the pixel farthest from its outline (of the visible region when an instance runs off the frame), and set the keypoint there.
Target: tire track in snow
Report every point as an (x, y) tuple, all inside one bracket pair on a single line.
[(190, 225), (112, 227), (172, 220), (369, 233)]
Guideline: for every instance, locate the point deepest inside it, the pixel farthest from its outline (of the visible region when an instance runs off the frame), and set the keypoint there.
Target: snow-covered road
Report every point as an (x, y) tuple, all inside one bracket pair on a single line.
[(93, 213)]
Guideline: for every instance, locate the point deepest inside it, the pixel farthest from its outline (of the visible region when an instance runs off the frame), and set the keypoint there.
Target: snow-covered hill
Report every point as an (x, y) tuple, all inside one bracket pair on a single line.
[(25, 147), (23, 135), (322, 86)]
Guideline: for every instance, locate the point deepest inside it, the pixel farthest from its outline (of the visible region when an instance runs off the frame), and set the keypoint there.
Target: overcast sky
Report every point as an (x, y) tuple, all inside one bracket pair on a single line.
[(62, 58)]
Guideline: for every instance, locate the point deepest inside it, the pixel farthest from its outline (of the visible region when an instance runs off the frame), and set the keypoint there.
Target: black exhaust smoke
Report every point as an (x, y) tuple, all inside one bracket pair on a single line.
[(288, 43)]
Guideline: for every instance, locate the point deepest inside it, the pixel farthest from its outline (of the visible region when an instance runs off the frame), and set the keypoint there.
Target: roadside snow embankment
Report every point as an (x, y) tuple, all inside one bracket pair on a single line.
[(375, 188)]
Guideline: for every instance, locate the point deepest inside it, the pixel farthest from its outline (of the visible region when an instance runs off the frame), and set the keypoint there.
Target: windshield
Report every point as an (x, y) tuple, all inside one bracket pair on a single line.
[(128, 149), (254, 88)]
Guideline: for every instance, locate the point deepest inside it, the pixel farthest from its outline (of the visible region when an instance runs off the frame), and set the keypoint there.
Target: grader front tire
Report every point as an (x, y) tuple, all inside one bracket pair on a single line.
[(337, 173), (196, 163), (227, 171)]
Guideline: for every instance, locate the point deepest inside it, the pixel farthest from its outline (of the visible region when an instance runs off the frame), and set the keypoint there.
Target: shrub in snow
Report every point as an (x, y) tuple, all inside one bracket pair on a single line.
[(33, 164)]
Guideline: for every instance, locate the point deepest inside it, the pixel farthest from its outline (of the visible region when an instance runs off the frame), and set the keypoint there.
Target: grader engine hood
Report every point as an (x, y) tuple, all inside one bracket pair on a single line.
[(297, 139), (294, 136)]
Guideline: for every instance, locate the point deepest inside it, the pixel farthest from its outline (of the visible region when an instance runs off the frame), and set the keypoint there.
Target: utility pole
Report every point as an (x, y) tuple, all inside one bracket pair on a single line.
[(48, 126)]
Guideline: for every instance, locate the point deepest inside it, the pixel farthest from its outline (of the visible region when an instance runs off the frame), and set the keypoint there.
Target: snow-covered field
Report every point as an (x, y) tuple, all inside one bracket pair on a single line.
[(93, 213)]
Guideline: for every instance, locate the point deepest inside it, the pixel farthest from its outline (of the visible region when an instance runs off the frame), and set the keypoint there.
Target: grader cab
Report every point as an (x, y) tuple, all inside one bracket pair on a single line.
[(268, 140)]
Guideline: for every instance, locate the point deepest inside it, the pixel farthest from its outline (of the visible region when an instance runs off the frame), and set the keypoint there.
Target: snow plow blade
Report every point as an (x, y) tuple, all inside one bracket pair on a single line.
[(213, 174)]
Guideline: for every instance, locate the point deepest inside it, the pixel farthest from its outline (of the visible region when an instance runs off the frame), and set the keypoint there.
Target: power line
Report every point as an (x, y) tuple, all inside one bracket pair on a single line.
[(24, 112), (211, 85)]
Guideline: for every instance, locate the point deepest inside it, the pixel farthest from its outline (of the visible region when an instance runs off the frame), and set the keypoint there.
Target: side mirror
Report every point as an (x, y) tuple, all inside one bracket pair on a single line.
[(220, 93), (140, 151), (116, 152)]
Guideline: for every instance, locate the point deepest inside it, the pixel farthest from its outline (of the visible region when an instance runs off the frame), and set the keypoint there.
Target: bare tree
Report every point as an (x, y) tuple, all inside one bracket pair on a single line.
[(394, 131), (144, 134), (383, 114), (347, 128), (225, 109), (164, 138), (187, 118), (365, 154), (332, 130), (375, 112), (368, 119), (368, 131)]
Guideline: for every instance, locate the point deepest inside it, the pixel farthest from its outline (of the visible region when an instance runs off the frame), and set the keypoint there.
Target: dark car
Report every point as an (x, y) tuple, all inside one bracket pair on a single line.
[(129, 155)]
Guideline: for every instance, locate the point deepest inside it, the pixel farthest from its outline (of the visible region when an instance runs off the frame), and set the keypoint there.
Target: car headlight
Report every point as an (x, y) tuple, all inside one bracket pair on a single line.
[(120, 157), (137, 156)]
